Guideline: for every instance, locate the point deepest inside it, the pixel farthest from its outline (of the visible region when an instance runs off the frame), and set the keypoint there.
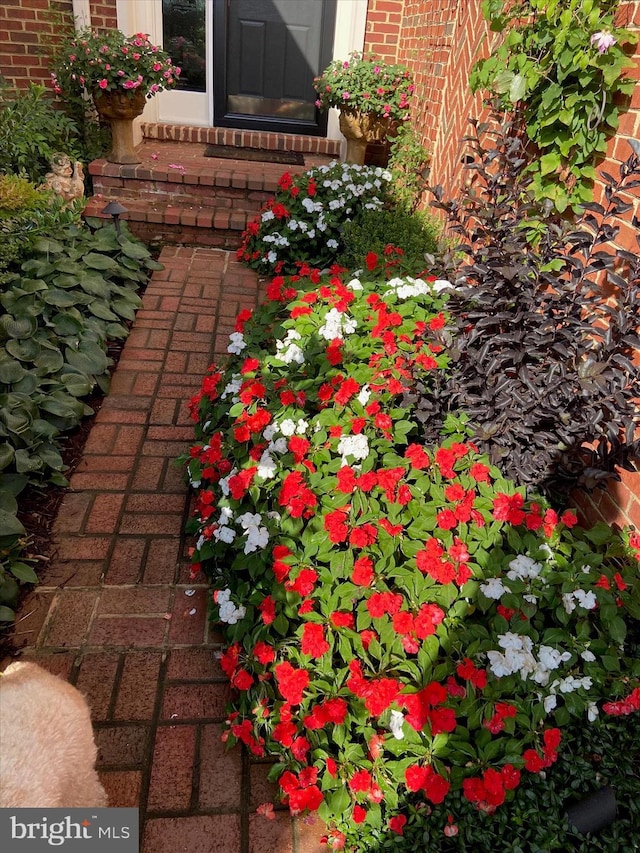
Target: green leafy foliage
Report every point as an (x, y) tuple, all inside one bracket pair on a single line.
[(540, 362), (567, 84), (403, 237), (32, 131), (75, 292)]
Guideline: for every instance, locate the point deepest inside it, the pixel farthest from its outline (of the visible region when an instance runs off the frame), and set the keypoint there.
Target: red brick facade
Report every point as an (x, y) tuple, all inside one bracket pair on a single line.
[(25, 25)]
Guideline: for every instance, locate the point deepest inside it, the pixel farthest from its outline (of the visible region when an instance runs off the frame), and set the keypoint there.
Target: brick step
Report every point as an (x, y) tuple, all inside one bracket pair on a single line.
[(242, 138), (162, 221)]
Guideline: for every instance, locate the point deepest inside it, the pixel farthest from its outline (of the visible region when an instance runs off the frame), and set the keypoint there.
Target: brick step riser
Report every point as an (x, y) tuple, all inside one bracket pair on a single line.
[(185, 235), (242, 138), (250, 201)]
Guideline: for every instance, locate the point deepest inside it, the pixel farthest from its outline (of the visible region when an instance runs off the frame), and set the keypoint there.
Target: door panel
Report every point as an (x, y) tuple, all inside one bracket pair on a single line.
[(266, 54)]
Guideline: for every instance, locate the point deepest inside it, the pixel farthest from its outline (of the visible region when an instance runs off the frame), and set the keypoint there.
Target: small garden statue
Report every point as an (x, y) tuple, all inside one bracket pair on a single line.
[(64, 179)]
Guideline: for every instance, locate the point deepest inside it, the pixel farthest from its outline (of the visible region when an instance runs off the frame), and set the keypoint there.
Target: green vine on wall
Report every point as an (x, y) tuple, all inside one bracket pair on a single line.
[(560, 66)]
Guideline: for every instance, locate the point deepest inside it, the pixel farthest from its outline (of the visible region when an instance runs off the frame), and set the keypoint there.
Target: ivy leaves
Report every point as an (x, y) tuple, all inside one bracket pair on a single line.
[(568, 93)]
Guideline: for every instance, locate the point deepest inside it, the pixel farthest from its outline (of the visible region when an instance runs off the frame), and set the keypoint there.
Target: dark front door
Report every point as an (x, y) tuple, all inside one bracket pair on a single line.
[(266, 54)]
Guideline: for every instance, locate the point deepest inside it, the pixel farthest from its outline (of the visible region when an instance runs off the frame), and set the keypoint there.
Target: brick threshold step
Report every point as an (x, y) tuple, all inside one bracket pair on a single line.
[(175, 224)]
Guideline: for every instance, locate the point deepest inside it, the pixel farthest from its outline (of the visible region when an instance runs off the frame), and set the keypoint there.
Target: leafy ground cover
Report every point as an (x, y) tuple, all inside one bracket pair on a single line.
[(414, 639), (65, 300)]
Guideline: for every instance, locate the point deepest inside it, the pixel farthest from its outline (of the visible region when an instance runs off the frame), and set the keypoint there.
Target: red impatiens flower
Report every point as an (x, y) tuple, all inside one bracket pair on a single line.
[(295, 495), (291, 682), (267, 608), (303, 583), (415, 453), (362, 574), (263, 652), (348, 389), (334, 524), (509, 508), (340, 619), (397, 824), (313, 643)]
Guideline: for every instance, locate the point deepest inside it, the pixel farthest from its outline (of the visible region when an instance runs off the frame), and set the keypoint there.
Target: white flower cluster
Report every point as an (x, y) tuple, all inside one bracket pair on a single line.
[(288, 350), (518, 656), (522, 568), (223, 532), (257, 536), (237, 343), (232, 387), (406, 288), (395, 724), (267, 466), (356, 446), (277, 239), (228, 612), (336, 325), (581, 597)]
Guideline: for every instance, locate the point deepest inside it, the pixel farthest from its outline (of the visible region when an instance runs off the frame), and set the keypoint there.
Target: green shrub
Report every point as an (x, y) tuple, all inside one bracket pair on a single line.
[(415, 233), (409, 167), (18, 195), (32, 130)]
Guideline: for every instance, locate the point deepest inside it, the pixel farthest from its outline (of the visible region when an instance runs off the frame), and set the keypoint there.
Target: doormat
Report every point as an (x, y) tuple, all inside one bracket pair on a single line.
[(264, 155)]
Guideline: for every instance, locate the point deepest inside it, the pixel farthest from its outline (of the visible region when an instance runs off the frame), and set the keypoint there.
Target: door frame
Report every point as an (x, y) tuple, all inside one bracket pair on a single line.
[(196, 108)]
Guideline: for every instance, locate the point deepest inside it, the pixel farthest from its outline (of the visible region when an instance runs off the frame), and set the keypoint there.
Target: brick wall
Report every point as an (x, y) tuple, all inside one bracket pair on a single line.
[(23, 24), (382, 36), (26, 24)]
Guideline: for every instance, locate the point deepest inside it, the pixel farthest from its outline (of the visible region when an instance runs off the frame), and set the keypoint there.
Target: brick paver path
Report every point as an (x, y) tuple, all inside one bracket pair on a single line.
[(116, 613)]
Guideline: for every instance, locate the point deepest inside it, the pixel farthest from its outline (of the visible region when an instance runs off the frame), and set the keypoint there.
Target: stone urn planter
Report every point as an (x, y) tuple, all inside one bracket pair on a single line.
[(120, 108), (361, 128)]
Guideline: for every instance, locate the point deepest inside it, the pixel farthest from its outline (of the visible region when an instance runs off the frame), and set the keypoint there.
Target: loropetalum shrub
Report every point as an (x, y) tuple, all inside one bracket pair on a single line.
[(403, 624), (302, 223), (543, 330)]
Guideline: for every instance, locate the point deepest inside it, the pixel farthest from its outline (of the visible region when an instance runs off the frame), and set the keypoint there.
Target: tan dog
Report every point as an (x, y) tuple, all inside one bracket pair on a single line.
[(47, 751)]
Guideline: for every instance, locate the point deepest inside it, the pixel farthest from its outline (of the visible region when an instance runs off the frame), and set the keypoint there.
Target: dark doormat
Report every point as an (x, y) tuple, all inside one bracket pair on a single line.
[(265, 155)]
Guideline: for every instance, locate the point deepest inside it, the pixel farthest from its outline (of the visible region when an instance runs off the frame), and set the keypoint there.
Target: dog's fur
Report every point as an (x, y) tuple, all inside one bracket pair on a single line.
[(47, 750)]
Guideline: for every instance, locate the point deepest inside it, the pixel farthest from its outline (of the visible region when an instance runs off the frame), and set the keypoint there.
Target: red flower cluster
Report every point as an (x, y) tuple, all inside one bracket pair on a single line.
[(292, 682), (244, 732), (296, 496), (488, 791), (440, 565), (313, 643), (425, 778), (422, 709), (301, 791), (623, 706), (534, 762), (329, 711), (378, 693), (502, 711)]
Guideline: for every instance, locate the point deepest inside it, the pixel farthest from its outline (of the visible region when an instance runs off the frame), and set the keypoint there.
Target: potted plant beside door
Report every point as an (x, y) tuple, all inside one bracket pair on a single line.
[(373, 98), (119, 73)]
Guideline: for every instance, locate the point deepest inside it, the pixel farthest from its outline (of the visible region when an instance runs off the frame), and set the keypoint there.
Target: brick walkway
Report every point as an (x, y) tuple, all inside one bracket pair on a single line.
[(115, 612)]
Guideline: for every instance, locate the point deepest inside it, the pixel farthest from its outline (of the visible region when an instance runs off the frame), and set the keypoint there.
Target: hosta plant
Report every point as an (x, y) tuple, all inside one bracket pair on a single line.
[(304, 220), (59, 309), (541, 363), (403, 624)]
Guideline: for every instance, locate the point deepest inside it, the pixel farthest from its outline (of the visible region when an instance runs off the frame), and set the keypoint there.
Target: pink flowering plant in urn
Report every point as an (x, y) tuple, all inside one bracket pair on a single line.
[(408, 633), (109, 61), (366, 84)]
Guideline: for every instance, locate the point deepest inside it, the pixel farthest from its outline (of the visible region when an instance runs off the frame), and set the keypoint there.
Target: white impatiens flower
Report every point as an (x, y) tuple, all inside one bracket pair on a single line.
[(523, 568), (550, 703), (588, 656), (354, 284), (356, 446), (267, 216), (336, 325), (267, 466), (257, 536), (288, 350), (224, 534), (592, 711), (332, 244), (395, 724), (441, 284), (288, 427), (586, 600), (493, 588), (228, 611), (364, 395), (237, 343), (224, 482), (232, 387), (302, 426)]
